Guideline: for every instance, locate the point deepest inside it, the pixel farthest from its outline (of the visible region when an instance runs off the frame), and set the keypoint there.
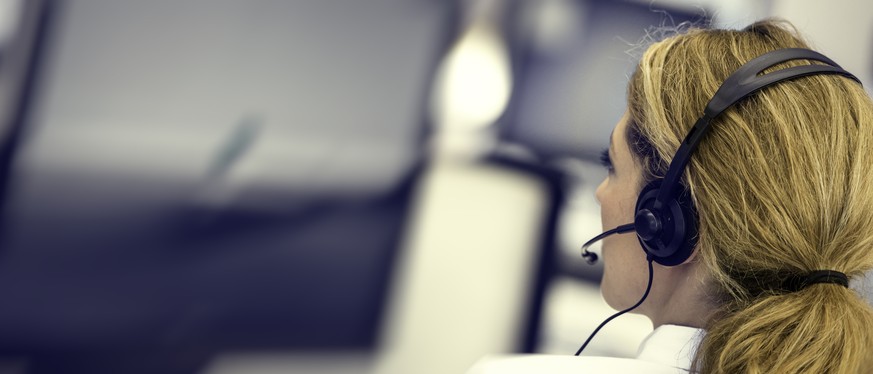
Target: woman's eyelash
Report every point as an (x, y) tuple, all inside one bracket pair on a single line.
[(605, 160)]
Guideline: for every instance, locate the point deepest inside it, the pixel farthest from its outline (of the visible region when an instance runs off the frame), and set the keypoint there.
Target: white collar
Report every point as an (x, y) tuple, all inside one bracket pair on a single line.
[(671, 345)]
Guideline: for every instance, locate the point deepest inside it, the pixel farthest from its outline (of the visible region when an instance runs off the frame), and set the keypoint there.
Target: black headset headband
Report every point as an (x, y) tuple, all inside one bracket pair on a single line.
[(747, 80), (665, 219)]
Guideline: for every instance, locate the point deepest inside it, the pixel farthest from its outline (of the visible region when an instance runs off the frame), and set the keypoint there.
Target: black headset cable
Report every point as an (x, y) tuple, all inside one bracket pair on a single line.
[(616, 315)]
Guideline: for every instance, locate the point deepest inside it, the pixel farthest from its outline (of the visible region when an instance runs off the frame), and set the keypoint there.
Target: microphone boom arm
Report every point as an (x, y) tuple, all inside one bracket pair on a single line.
[(591, 257)]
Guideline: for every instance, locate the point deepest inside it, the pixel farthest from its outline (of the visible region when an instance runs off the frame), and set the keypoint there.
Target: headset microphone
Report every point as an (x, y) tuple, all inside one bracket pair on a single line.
[(591, 257)]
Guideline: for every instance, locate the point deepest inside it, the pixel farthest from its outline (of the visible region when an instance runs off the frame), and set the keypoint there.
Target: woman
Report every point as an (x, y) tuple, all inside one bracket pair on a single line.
[(782, 186)]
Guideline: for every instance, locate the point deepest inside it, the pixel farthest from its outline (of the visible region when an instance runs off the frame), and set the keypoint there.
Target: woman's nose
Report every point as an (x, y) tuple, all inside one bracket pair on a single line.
[(599, 192)]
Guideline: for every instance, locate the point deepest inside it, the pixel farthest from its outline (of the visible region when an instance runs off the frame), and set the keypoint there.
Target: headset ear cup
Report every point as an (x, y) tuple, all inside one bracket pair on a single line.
[(676, 218), (646, 204), (685, 240)]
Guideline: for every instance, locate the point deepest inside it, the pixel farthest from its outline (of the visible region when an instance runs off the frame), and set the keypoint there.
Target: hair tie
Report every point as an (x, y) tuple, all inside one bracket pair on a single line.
[(797, 283)]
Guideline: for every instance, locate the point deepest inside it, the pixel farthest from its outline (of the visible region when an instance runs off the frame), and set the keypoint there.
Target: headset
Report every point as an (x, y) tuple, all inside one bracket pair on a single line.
[(665, 219)]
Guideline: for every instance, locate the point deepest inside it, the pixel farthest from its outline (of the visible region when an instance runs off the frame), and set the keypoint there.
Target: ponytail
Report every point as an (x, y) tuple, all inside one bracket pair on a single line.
[(824, 328)]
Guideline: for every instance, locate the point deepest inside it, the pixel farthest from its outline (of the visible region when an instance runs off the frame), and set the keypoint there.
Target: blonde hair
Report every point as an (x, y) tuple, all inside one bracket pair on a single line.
[(783, 185)]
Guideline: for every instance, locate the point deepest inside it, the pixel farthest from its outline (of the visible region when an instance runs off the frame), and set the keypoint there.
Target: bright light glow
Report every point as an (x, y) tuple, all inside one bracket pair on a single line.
[(10, 12), (474, 81)]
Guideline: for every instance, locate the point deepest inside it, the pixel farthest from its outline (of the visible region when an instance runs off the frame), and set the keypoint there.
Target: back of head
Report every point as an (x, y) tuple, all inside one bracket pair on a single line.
[(783, 184)]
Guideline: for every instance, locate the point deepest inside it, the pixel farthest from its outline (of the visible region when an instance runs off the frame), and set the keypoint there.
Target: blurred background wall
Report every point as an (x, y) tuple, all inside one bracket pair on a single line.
[(333, 186)]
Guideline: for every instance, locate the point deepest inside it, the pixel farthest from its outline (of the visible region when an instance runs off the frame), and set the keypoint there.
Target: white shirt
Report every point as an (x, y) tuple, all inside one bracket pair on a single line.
[(669, 350)]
